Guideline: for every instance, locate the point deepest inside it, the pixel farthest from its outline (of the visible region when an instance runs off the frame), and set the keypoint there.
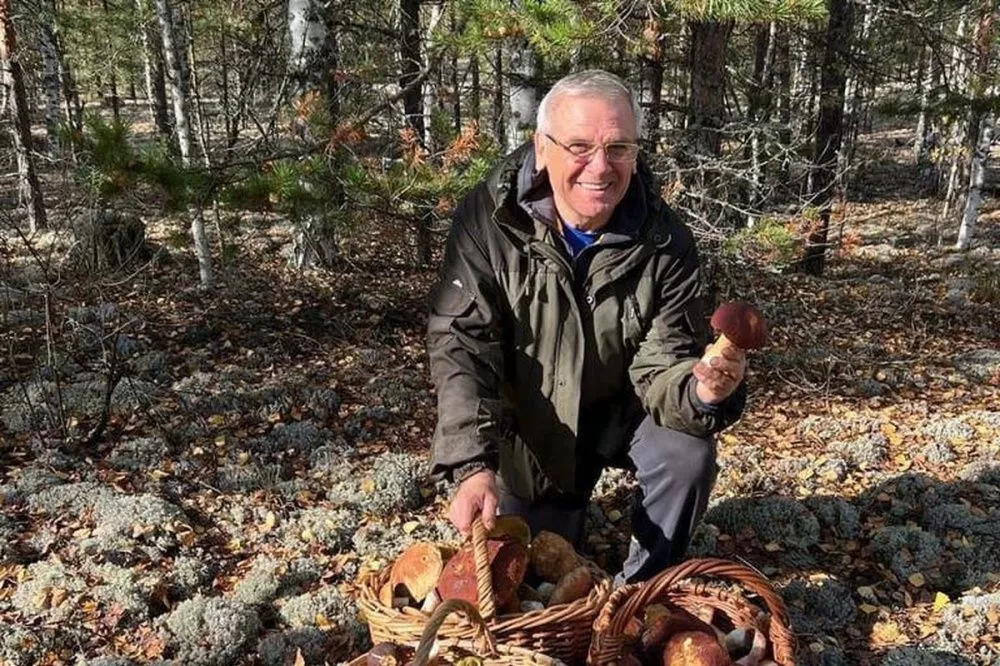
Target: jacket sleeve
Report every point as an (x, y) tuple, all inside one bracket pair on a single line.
[(661, 370), (465, 349)]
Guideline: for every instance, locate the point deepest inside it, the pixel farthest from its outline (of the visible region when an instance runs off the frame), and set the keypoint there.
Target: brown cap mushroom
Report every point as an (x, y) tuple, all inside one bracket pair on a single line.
[(739, 325), (418, 569), (695, 648), (508, 564)]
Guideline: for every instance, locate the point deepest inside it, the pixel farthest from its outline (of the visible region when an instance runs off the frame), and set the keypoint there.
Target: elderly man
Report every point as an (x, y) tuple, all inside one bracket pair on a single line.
[(565, 335)]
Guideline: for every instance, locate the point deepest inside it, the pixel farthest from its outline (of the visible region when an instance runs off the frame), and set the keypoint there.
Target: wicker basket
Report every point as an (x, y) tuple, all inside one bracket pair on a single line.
[(562, 632), (674, 586), (483, 644)]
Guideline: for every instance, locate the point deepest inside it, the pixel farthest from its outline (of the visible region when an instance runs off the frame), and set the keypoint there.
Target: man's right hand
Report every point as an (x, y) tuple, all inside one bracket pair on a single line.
[(477, 494)]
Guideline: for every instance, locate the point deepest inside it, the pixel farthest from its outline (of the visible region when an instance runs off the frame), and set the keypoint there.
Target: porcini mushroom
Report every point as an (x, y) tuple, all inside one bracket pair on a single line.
[(418, 569), (695, 648), (740, 325), (508, 564)]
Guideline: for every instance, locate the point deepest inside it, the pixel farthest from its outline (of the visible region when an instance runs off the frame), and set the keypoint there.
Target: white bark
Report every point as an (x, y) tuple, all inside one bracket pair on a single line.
[(522, 98), (176, 75), (177, 83), (307, 38), (430, 99), (977, 176), (956, 139)]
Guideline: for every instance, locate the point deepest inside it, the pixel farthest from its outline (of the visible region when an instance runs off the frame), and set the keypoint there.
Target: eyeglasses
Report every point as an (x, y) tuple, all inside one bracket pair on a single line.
[(584, 151)]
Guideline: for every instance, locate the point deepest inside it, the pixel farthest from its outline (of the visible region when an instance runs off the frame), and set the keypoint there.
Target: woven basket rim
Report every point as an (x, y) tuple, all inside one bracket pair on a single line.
[(674, 585)]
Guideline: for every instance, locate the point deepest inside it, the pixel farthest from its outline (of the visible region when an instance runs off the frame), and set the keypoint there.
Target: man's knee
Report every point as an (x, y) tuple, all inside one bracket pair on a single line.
[(687, 459)]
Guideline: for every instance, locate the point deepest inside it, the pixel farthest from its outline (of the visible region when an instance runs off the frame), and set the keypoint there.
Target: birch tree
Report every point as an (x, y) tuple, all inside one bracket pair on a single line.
[(30, 191), (981, 125), (312, 62), (176, 75)]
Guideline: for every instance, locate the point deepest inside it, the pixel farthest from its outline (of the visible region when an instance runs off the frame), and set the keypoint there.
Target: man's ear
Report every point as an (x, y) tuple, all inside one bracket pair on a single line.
[(539, 151)]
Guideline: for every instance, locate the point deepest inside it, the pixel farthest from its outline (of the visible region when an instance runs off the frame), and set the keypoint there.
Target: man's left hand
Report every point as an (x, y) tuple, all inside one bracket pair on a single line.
[(718, 378)]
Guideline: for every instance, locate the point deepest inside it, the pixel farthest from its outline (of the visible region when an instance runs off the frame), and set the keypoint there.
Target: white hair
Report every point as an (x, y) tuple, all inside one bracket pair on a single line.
[(589, 83)]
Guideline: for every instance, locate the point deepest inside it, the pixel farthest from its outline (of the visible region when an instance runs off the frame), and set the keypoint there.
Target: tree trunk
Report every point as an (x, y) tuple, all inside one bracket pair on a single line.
[(430, 97), (203, 135), (499, 97), (410, 65), (112, 75), (177, 83), (855, 86), (522, 98), (706, 105), (475, 93), (456, 83), (312, 65), (152, 61), (829, 129), (651, 92), (51, 87), (758, 111), (977, 171), (783, 72), (30, 190), (956, 140), (174, 55)]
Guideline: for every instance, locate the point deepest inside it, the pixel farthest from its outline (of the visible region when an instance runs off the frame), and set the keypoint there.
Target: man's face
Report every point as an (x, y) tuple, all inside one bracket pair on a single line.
[(586, 193)]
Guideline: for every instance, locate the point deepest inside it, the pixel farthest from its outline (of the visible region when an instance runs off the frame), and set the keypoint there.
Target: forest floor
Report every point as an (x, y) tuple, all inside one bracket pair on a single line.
[(267, 443)]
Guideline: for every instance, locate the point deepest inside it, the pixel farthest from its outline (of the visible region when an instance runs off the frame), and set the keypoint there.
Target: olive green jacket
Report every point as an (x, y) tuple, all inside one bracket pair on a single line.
[(543, 363)]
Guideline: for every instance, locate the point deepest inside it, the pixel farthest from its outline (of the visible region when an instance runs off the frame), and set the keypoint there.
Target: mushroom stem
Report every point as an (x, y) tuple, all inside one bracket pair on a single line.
[(717, 348)]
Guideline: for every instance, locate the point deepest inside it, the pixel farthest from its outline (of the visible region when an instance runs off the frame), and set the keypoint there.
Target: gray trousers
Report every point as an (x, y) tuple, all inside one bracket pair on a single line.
[(675, 474)]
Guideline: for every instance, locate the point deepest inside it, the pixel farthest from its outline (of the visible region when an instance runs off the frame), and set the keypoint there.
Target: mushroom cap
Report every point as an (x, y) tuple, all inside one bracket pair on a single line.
[(742, 323)]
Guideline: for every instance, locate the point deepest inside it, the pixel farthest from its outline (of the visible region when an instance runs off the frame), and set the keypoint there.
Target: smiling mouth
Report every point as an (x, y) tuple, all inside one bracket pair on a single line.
[(595, 187)]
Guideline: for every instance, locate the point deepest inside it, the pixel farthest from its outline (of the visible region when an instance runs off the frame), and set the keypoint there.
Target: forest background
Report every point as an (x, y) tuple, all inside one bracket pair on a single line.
[(220, 219)]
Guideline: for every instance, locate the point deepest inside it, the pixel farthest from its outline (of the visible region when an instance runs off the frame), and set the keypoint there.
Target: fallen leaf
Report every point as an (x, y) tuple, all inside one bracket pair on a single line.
[(916, 579), (269, 521), (299, 659), (940, 601)]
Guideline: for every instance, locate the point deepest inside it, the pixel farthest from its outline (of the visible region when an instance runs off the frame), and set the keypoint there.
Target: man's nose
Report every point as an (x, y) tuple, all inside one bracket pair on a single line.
[(599, 162)]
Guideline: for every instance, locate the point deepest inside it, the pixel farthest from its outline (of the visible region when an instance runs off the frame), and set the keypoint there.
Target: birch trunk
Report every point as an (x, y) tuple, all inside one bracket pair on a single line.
[(956, 141), (311, 66), (522, 93), (977, 173), (30, 190), (177, 83), (176, 75), (430, 98)]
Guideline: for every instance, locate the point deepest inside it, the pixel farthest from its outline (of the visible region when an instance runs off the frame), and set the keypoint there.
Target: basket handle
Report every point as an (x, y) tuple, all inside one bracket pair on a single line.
[(782, 639), (482, 638), (484, 575)]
